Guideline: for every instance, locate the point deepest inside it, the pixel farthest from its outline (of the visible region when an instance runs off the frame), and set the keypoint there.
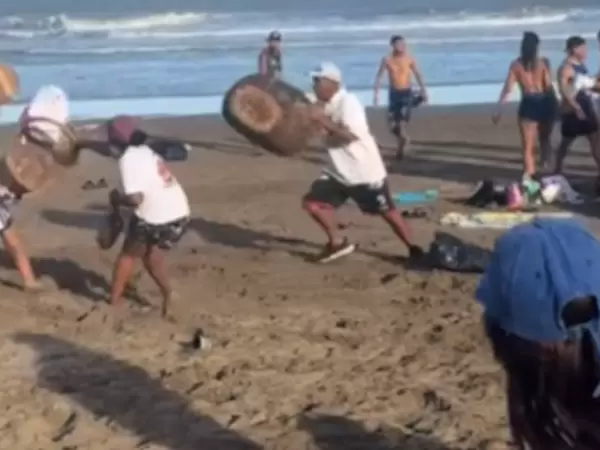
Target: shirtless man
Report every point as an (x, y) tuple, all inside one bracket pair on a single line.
[(537, 109), (270, 57), (578, 115), (400, 67)]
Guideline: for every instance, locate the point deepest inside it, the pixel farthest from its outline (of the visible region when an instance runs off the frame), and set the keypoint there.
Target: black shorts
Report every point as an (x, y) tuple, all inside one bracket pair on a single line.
[(400, 105), (540, 107), (572, 126), (369, 198), (163, 236)]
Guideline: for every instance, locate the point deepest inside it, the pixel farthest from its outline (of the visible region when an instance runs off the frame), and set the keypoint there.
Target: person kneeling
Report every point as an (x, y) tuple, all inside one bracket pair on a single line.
[(160, 213), (357, 171)]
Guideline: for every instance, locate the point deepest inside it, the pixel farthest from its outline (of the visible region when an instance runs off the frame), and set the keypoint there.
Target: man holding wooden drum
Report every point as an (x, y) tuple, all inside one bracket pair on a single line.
[(356, 168)]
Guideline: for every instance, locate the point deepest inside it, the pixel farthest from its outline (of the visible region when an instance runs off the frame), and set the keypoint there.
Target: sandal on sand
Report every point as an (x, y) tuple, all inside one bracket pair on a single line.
[(417, 213)]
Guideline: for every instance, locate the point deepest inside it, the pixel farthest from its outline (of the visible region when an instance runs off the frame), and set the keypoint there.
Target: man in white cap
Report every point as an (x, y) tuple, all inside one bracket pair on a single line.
[(356, 170)]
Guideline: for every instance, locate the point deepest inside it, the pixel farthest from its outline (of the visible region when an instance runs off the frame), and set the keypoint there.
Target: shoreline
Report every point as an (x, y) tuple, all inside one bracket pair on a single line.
[(447, 96)]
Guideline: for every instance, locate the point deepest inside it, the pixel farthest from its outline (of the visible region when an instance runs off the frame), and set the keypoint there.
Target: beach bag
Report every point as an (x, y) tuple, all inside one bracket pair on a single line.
[(26, 167), (57, 138), (448, 252), (271, 114)]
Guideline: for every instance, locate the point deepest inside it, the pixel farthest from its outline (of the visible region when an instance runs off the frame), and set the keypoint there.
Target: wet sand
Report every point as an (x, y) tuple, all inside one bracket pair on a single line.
[(361, 354)]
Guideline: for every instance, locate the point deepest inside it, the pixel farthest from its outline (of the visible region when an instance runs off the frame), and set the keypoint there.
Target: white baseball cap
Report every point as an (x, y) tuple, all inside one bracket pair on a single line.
[(327, 70)]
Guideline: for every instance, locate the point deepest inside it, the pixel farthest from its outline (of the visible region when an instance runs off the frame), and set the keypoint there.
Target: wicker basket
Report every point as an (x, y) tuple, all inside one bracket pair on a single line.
[(270, 113), (26, 167), (9, 84), (64, 149)]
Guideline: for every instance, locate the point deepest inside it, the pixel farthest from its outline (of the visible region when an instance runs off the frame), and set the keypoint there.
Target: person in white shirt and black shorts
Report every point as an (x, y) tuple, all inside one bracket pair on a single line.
[(50, 106), (356, 168), (160, 209)]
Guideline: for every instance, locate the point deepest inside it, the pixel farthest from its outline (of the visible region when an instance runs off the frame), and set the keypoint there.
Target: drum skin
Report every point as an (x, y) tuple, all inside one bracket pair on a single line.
[(271, 114), (26, 168)]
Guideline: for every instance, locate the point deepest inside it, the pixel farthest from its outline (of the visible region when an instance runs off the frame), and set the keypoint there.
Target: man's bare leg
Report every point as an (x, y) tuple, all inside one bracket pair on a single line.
[(155, 264), (400, 229), (325, 218), (123, 271), (402, 138), (561, 153), (12, 243)]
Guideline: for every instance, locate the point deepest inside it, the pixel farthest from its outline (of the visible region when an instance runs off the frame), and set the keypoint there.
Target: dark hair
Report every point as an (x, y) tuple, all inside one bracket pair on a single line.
[(529, 50), (540, 376), (573, 42), (396, 38), (274, 36), (138, 137)]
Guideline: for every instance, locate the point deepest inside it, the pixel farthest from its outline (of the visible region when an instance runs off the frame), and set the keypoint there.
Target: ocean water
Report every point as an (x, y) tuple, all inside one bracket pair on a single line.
[(178, 57)]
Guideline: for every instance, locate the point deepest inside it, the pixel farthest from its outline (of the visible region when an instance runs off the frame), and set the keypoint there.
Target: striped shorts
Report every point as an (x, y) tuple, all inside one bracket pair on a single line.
[(7, 204)]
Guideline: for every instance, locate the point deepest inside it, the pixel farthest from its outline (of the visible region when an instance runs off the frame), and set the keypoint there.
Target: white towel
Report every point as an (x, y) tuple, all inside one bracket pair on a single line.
[(566, 193)]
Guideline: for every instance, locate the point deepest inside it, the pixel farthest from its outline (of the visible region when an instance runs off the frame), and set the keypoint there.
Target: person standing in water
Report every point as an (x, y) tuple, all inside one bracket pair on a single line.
[(400, 67), (537, 109), (270, 57), (578, 115)]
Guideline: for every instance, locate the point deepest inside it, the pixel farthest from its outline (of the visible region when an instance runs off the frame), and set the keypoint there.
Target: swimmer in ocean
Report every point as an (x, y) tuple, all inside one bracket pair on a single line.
[(270, 58)]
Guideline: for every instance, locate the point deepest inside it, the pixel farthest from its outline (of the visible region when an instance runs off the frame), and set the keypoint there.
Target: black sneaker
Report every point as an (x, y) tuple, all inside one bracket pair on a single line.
[(415, 253), (332, 252)]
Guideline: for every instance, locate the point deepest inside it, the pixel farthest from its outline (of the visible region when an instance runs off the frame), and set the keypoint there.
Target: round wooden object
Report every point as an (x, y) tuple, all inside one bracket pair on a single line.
[(9, 84), (26, 167), (270, 113), (63, 145)]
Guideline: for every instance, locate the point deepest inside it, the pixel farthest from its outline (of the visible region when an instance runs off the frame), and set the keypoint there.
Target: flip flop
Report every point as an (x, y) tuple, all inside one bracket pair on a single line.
[(91, 185), (417, 213)]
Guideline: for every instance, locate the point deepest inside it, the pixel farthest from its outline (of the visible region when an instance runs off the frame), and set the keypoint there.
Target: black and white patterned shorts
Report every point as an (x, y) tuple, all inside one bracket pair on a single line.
[(7, 204), (164, 236)]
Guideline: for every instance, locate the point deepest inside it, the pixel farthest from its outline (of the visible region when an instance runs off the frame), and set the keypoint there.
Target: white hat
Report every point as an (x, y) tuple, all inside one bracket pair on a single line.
[(327, 70)]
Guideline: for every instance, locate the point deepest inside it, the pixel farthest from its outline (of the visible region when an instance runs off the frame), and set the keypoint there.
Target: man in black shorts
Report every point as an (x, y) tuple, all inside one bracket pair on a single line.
[(356, 171), (578, 115), (160, 210)]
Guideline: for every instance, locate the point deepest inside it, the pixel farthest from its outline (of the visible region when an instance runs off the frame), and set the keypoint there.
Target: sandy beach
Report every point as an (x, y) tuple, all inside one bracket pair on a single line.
[(361, 354)]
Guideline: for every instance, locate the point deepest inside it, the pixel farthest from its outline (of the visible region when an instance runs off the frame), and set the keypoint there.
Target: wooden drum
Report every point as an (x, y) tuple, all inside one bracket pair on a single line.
[(270, 113), (57, 138), (26, 167), (9, 84)]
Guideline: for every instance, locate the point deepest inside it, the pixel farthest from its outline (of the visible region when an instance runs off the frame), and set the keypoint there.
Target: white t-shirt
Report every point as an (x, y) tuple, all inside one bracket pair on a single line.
[(50, 102), (360, 161), (144, 171)]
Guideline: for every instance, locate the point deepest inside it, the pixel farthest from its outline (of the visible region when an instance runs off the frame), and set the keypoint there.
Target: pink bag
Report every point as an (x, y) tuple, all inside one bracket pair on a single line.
[(514, 197)]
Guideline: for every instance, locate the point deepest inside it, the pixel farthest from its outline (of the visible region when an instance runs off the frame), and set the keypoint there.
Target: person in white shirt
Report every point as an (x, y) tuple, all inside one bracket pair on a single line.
[(50, 102), (356, 169), (47, 114), (160, 210)]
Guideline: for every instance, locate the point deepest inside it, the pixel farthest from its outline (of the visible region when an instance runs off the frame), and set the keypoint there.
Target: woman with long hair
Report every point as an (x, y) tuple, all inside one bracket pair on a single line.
[(540, 297), (538, 106)]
